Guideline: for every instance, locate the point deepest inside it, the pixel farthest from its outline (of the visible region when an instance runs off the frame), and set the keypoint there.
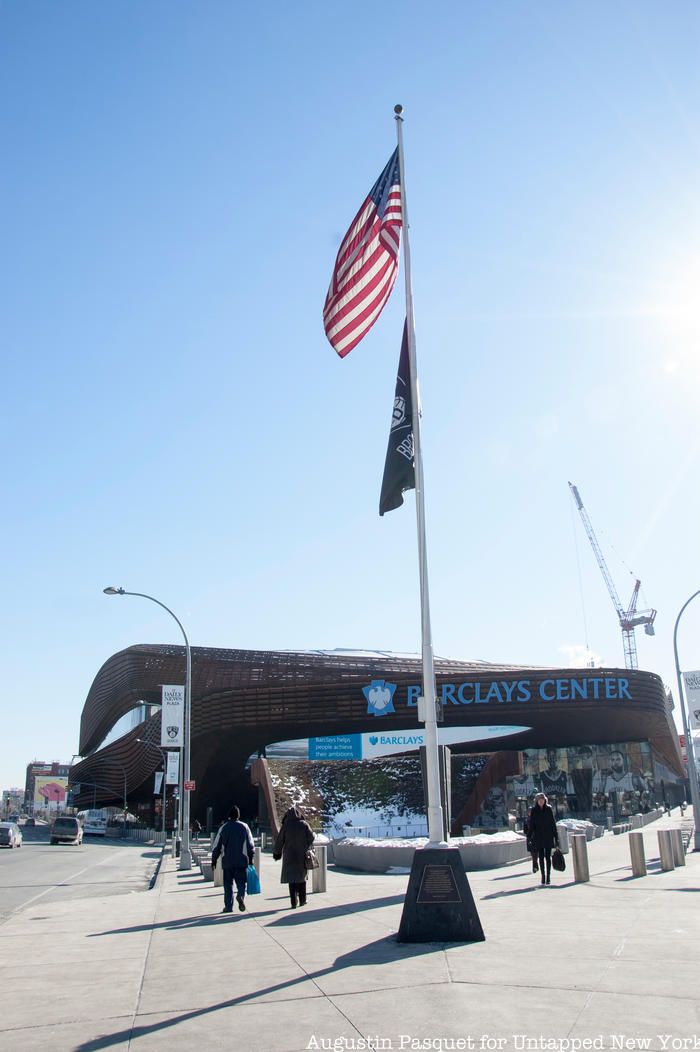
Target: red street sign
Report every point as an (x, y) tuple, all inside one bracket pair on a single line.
[(189, 786)]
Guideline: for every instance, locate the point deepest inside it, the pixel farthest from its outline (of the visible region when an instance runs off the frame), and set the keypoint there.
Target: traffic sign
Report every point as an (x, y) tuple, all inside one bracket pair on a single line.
[(189, 787)]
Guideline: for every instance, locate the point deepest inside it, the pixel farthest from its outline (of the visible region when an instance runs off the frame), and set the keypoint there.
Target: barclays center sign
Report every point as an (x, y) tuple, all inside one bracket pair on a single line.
[(385, 698)]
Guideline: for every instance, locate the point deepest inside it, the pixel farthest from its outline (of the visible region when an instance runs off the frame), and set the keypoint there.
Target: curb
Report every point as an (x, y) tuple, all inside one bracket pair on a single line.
[(156, 871)]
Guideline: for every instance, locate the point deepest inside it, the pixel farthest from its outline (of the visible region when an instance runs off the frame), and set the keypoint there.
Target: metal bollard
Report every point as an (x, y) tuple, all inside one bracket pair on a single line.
[(580, 852), (678, 850), (318, 876), (256, 860), (563, 834), (639, 865), (666, 849), (263, 841)]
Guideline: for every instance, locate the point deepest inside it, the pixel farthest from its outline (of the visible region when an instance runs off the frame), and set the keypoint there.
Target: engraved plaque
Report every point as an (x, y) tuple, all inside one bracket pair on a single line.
[(438, 885)]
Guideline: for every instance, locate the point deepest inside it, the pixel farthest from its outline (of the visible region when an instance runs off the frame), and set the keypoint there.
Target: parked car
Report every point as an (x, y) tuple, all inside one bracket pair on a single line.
[(14, 818), (10, 835), (66, 830)]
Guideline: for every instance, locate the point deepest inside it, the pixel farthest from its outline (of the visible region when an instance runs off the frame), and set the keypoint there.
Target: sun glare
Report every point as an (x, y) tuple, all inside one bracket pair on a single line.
[(675, 312)]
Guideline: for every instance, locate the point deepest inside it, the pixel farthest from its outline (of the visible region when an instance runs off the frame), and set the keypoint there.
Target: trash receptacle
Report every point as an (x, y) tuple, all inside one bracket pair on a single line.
[(318, 876)]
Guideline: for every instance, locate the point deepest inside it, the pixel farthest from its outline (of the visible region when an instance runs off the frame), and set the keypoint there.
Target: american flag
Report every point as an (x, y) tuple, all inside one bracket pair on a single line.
[(367, 263)]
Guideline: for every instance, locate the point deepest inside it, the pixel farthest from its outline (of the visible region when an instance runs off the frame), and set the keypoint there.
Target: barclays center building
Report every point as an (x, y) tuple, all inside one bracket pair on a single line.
[(597, 741)]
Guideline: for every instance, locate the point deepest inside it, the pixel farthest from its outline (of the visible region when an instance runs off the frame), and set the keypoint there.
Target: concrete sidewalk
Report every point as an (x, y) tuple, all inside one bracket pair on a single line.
[(613, 961)]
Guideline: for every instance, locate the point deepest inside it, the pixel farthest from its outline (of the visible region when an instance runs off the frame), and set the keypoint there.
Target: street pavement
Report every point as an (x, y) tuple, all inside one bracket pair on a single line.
[(99, 867), (610, 964)]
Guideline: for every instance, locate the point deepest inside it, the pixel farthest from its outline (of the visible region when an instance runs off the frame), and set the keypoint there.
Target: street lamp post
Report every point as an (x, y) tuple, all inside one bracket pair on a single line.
[(184, 808), (692, 773), (152, 745)]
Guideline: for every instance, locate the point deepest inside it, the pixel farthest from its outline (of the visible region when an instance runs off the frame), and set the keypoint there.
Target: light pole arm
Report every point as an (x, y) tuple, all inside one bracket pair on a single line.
[(692, 773), (142, 595)]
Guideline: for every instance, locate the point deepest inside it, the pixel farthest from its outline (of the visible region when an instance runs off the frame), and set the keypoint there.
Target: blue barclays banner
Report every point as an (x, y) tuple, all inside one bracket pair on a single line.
[(383, 697), (369, 746)]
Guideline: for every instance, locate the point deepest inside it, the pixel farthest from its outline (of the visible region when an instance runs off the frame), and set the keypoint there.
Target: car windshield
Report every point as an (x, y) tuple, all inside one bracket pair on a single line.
[(67, 823)]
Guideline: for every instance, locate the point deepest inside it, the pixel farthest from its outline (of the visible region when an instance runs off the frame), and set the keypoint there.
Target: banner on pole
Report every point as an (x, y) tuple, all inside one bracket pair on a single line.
[(399, 468), (172, 716), (158, 783), (172, 775), (692, 696)]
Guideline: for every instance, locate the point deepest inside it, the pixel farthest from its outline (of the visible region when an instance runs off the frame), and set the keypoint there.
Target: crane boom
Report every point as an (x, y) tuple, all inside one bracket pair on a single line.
[(630, 618)]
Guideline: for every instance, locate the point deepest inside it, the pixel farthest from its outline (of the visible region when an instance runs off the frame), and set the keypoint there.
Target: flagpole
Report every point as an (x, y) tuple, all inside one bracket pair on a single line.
[(434, 806)]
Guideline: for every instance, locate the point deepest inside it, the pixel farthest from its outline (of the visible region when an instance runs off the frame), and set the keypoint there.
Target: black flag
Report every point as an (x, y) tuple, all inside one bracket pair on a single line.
[(399, 473)]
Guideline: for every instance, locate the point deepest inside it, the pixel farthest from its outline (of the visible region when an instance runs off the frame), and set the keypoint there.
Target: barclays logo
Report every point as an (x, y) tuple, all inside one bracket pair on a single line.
[(380, 697)]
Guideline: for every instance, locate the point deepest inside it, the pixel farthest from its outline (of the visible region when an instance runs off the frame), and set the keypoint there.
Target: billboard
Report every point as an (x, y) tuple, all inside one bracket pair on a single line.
[(50, 790)]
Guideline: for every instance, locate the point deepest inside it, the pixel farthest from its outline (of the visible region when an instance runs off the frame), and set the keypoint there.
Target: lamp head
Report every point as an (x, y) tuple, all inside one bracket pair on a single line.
[(113, 591)]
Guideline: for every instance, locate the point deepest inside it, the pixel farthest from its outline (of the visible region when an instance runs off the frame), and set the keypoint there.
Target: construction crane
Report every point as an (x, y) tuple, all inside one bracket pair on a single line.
[(631, 617)]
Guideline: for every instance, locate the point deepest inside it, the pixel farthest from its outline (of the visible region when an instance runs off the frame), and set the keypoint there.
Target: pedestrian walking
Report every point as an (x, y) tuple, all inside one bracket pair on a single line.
[(234, 842), (293, 841), (530, 843), (543, 831), (196, 829)]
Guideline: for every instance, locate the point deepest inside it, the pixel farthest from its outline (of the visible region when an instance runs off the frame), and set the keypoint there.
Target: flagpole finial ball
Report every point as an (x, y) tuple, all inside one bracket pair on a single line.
[(398, 109)]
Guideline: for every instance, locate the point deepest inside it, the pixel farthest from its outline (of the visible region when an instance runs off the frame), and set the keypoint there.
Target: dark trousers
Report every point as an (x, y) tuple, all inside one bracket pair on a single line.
[(545, 855), (239, 874), (298, 891)]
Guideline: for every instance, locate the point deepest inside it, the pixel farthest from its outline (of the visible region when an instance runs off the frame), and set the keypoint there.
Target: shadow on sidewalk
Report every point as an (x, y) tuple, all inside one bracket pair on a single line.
[(526, 891), (382, 951), (290, 916)]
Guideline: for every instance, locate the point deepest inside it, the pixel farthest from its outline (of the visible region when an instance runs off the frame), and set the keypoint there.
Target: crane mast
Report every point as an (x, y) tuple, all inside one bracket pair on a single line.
[(630, 618)]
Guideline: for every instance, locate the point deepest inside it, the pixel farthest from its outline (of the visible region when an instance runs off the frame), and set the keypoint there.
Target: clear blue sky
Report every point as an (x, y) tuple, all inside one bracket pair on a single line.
[(176, 178)]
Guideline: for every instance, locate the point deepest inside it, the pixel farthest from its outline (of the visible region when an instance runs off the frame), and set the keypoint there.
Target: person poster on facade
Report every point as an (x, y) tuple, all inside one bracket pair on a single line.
[(692, 697), (172, 716)]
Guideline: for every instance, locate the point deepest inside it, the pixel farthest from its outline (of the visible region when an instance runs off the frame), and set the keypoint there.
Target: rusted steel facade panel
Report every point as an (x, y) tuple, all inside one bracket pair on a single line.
[(243, 700)]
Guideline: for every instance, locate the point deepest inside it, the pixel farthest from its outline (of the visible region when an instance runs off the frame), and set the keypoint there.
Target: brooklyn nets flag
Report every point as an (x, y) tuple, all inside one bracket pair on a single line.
[(399, 471)]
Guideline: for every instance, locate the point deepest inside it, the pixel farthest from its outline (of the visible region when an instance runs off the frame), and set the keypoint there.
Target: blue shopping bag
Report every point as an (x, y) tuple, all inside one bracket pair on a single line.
[(253, 881)]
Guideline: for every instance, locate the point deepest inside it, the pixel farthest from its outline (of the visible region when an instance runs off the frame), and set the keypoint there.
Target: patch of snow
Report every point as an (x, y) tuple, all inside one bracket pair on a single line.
[(505, 837)]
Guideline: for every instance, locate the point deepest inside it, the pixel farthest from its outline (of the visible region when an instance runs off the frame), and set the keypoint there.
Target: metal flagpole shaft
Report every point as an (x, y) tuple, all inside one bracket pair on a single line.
[(435, 819)]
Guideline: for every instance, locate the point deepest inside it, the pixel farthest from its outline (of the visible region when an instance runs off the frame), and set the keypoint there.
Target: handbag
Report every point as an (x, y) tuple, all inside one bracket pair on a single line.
[(219, 874), (558, 860), (311, 859), (253, 881)]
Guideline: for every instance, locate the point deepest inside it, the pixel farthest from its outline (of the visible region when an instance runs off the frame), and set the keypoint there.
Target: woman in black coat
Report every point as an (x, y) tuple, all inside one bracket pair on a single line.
[(293, 841), (543, 831)]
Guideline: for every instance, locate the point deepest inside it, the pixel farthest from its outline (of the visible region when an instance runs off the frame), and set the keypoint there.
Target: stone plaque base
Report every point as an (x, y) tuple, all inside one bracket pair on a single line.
[(439, 905)]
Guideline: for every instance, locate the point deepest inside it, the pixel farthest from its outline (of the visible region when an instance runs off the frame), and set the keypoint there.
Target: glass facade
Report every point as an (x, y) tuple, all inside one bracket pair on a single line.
[(591, 781)]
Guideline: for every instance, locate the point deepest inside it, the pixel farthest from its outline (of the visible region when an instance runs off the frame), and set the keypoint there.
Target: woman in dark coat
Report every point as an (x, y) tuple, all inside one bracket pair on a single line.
[(293, 841), (543, 832)]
